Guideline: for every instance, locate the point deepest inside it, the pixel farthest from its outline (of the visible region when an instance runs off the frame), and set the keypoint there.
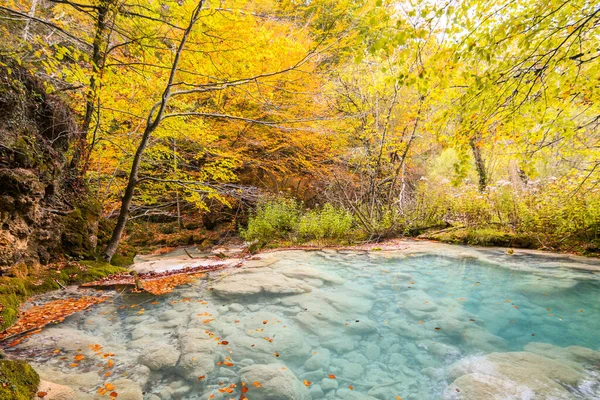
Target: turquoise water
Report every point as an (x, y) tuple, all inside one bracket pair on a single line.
[(385, 324)]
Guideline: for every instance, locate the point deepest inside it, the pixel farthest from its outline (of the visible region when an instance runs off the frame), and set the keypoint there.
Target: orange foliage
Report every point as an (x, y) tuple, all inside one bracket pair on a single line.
[(40, 316)]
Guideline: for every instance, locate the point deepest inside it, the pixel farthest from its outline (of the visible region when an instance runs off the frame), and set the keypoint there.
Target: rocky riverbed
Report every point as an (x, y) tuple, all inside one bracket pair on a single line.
[(444, 322)]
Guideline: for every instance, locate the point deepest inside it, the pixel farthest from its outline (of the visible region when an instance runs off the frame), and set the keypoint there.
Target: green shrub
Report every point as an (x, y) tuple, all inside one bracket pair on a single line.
[(272, 219), (328, 222), (283, 220)]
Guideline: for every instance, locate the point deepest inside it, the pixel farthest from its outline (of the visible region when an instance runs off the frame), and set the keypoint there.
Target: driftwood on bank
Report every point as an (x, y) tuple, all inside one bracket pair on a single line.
[(129, 279)]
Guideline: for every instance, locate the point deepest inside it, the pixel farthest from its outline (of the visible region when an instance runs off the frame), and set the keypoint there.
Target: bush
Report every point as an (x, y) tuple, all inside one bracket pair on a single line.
[(283, 219), (328, 222), (272, 219)]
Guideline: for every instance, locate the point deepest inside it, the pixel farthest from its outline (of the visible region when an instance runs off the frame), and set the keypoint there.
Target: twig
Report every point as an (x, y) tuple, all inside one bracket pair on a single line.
[(188, 254)]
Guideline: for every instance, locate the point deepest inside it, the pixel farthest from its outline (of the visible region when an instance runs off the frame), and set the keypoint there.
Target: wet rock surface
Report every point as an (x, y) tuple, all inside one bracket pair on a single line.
[(298, 325)]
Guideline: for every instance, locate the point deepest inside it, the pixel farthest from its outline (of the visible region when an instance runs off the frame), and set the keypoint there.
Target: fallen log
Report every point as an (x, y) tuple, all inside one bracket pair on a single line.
[(157, 282)]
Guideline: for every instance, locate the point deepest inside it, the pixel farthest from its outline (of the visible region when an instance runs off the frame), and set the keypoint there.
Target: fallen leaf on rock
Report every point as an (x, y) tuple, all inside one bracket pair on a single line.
[(109, 386), (351, 387), (95, 347), (157, 282), (307, 383), (257, 384), (331, 376), (79, 357), (42, 394), (39, 316)]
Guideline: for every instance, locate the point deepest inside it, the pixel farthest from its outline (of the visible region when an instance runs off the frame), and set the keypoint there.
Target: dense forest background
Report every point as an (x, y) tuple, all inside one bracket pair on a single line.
[(468, 121)]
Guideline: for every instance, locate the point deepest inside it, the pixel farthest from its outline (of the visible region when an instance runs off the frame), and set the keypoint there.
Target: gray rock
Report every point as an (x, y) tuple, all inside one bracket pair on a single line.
[(316, 392), (373, 352), (313, 376), (397, 359), (236, 307), (348, 394), (320, 360), (159, 356), (328, 384), (277, 383), (352, 371)]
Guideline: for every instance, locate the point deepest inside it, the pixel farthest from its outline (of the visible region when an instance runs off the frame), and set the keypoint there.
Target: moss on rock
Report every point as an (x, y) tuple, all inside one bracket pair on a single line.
[(18, 381), (14, 290)]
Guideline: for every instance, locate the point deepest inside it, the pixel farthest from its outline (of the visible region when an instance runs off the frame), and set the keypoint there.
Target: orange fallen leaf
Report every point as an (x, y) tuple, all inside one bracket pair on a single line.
[(109, 386), (39, 316), (398, 398), (95, 347), (224, 343), (331, 376), (79, 357), (307, 383), (227, 363), (351, 387), (73, 365), (201, 377), (106, 375), (113, 394), (42, 394), (257, 384)]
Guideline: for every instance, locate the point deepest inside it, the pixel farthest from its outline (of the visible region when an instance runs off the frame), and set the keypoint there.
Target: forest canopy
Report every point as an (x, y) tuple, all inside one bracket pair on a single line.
[(472, 121)]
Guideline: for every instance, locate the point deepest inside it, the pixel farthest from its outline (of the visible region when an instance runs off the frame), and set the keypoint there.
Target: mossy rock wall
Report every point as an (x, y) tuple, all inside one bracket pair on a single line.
[(45, 210), (18, 381)]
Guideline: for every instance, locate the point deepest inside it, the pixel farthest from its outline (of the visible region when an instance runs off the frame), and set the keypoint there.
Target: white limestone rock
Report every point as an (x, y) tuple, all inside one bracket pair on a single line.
[(277, 383)]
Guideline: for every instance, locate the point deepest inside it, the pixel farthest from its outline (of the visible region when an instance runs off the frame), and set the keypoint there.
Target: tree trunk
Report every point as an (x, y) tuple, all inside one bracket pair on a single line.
[(28, 23), (479, 164), (151, 124), (81, 149)]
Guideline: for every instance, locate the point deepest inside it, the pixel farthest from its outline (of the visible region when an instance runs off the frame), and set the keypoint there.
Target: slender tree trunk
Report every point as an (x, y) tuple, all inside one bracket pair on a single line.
[(154, 118), (81, 148), (479, 164), (28, 23)]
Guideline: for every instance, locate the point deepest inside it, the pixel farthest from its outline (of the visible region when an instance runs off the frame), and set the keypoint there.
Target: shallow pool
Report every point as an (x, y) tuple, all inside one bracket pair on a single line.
[(342, 325)]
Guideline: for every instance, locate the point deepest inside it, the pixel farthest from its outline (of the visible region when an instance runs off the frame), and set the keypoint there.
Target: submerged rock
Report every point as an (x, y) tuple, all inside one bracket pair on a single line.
[(159, 356), (198, 353), (256, 281), (319, 360), (54, 391), (278, 383), (518, 375)]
